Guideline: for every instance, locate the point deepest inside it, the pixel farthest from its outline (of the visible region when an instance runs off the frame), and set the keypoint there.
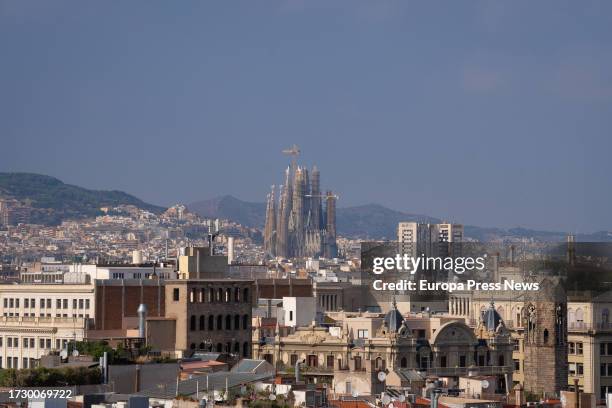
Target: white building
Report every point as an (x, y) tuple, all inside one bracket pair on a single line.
[(41, 317), (299, 311)]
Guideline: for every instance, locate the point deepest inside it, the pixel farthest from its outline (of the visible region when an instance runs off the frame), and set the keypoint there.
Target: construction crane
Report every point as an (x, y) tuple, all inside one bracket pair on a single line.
[(322, 196), (294, 152)]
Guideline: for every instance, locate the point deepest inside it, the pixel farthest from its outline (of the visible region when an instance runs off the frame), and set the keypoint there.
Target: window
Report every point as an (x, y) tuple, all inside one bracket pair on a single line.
[(9, 342), (80, 303), (32, 341), (362, 333), (32, 302), (293, 359), (48, 303), (74, 303), (291, 315), (579, 349), (65, 303), (86, 303), (41, 343), (571, 348), (330, 361), (192, 325), (602, 349), (5, 302), (58, 304), (175, 294), (580, 369), (312, 360), (517, 365), (25, 343), (26, 303), (603, 372), (16, 302), (442, 361), (516, 344), (11, 303), (48, 343), (42, 303), (461, 361)]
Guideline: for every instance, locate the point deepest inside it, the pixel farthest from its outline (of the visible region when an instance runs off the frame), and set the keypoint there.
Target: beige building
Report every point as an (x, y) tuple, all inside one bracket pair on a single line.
[(204, 315), (40, 318), (589, 333), (350, 354)]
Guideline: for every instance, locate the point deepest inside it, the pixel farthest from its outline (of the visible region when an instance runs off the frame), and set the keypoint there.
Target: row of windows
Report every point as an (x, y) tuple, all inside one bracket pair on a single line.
[(576, 369), (13, 362), (225, 348), (212, 323), (30, 342), (74, 315), (575, 348), (210, 295), (30, 303)]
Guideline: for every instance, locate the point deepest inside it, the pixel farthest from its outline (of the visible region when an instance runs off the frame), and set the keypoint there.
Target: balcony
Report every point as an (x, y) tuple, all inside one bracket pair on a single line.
[(582, 326), (467, 371)]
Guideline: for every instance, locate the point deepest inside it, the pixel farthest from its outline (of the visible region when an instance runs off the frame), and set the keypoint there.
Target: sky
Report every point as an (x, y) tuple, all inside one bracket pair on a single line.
[(489, 113)]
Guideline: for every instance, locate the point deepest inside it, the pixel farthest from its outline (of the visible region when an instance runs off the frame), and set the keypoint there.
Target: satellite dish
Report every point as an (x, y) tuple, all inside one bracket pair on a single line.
[(386, 399), (382, 376), (64, 354), (75, 353), (484, 384)]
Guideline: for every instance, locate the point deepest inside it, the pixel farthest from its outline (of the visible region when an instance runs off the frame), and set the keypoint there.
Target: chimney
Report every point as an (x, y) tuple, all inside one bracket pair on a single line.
[(142, 317)]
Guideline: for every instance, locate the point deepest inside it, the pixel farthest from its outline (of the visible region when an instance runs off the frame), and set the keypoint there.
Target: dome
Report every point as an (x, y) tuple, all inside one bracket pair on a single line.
[(490, 318), (394, 319)]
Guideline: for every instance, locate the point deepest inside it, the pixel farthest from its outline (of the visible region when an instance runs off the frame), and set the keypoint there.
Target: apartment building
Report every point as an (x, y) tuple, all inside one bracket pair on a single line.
[(37, 319), (204, 315), (589, 334)]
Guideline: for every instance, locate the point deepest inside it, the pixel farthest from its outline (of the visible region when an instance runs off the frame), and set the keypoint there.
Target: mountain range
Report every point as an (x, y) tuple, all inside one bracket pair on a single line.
[(52, 201), (374, 221)]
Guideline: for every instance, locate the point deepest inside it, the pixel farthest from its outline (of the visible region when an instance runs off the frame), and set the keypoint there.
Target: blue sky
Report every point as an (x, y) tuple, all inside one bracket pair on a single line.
[(481, 112)]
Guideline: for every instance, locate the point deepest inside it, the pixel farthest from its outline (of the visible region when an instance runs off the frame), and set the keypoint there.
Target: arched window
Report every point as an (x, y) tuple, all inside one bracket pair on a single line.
[(501, 360), (219, 322), (236, 322), (202, 346), (571, 316), (380, 364), (403, 362), (236, 294), (201, 295), (246, 350), (219, 348), (202, 322), (245, 295), (245, 322), (228, 322), (211, 322), (192, 295), (228, 295), (192, 346), (211, 295), (545, 336), (237, 348), (219, 294), (192, 325)]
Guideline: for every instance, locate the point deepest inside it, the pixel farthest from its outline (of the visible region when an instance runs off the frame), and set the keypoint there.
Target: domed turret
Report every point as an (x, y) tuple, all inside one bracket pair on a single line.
[(394, 319), (490, 318)]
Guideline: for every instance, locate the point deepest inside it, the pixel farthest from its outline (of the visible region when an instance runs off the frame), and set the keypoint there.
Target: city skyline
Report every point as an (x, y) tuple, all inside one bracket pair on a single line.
[(497, 115)]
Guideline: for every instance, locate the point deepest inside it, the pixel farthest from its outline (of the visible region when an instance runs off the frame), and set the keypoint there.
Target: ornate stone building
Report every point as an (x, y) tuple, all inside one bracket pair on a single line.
[(350, 354)]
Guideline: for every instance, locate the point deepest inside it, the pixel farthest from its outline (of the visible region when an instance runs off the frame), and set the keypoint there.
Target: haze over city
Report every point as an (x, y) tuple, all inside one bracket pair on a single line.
[(483, 113)]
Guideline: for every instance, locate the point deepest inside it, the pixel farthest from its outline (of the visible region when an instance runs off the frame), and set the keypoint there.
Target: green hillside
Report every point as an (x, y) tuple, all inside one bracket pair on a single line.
[(56, 201)]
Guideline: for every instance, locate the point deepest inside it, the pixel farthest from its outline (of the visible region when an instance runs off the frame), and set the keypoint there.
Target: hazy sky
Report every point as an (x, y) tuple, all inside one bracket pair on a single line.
[(482, 112)]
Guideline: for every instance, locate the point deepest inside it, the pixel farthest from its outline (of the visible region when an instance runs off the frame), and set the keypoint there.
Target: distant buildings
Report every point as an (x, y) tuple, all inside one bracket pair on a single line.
[(296, 225), (415, 239)]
